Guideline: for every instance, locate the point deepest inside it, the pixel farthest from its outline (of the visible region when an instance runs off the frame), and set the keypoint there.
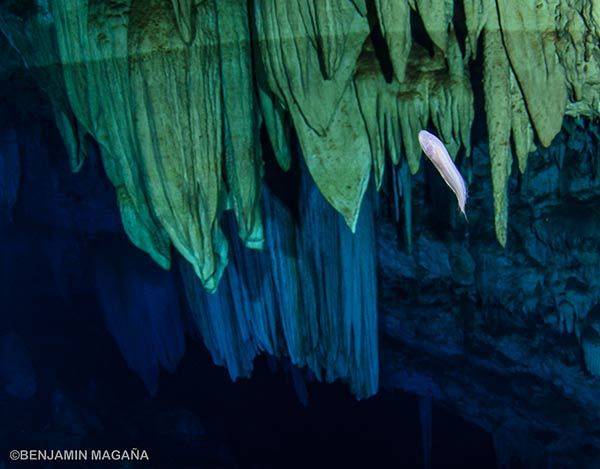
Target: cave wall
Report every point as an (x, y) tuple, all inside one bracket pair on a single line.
[(503, 335)]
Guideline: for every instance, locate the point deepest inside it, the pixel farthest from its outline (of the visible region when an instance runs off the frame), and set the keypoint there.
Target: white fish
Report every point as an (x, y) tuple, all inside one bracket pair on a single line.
[(437, 153)]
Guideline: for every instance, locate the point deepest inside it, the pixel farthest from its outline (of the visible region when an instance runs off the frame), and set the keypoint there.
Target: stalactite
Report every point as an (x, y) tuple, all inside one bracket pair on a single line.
[(340, 170), (498, 113), (280, 233), (73, 135), (521, 130), (394, 113), (374, 111), (394, 20), (74, 46), (397, 192), (274, 118), (291, 54), (327, 24), (220, 322), (98, 73), (35, 41), (322, 110), (242, 143), (527, 28), (341, 299), (476, 12), (178, 115), (451, 110), (436, 16), (407, 198), (309, 295), (94, 60), (413, 114), (141, 310)]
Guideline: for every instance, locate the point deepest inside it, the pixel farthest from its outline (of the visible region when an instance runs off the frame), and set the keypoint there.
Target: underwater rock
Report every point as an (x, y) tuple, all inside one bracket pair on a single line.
[(494, 336), (432, 255), (576, 47)]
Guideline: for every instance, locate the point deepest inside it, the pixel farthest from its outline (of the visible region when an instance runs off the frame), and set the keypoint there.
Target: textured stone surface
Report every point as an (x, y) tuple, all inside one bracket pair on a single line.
[(506, 337), (173, 90)]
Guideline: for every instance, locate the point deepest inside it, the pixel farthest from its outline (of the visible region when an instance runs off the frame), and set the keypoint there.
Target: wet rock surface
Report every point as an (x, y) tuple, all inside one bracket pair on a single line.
[(494, 333)]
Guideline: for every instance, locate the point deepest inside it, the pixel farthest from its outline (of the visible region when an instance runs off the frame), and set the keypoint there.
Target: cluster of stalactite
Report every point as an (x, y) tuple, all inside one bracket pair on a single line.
[(175, 93), (310, 294)]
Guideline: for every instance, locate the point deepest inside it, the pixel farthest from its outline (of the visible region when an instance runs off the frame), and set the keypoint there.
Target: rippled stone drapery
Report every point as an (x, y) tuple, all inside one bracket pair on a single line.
[(311, 293)]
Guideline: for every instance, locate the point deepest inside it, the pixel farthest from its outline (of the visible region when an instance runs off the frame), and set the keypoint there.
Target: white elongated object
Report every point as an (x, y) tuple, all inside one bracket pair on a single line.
[(437, 153)]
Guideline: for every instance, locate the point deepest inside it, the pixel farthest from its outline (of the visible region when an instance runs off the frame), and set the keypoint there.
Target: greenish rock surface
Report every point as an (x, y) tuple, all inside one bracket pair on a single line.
[(175, 92)]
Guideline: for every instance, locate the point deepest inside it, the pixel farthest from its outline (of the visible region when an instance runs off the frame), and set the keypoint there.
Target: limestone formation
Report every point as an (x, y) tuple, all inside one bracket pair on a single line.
[(175, 91), (528, 36), (497, 103), (243, 161), (394, 19), (174, 94)]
